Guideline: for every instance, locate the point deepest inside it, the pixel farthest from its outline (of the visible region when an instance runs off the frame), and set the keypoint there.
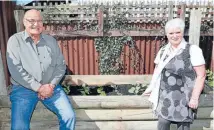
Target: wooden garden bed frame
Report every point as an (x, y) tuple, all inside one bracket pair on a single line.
[(108, 112)]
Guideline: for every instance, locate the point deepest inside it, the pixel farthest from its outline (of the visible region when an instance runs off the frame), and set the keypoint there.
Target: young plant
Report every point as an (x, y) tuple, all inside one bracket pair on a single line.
[(101, 91), (137, 89), (66, 88), (85, 90), (210, 78)]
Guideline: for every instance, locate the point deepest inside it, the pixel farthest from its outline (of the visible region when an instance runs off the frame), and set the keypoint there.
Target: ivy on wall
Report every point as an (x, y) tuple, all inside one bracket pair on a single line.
[(110, 48)]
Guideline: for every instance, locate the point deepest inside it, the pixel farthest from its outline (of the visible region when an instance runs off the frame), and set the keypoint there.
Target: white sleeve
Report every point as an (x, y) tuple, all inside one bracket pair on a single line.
[(196, 56)]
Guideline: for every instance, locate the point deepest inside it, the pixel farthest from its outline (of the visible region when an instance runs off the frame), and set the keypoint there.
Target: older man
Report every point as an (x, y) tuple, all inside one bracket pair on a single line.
[(36, 65)]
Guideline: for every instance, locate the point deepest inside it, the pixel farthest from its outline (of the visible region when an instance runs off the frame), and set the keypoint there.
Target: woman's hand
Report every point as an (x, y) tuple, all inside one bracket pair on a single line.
[(193, 103), (146, 93)]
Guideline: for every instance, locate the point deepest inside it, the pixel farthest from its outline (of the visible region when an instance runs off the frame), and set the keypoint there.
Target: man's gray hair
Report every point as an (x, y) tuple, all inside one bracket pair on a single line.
[(175, 23)]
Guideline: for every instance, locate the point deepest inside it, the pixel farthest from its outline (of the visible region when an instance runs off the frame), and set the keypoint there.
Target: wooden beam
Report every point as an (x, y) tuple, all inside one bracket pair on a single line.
[(19, 15), (97, 102), (111, 102), (75, 7), (3, 87), (3, 37), (183, 12), (111, 125), (68, 12), (98, 80), (100, 22), (104, 114), (110, 33), (6, 31), (170, 13), (156, 32), (56, 19), (63, 33), (195, 25), (212, 58)]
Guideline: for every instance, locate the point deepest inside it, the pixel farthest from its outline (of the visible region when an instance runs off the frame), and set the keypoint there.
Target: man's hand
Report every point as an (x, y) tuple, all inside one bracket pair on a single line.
[(45, 91)]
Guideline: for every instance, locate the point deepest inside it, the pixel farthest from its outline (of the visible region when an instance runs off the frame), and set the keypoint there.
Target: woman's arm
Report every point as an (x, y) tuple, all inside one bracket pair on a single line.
[(148, 91), (199, 85)]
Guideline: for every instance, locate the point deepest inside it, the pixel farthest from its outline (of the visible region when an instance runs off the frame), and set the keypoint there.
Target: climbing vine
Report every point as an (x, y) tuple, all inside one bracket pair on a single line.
[(110, 48)]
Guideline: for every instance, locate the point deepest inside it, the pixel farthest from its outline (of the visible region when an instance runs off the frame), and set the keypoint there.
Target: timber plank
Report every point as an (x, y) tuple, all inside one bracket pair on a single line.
[(97, 102), (106, 79), (109, 125), (195, 26), (104, 114), (206, 100)]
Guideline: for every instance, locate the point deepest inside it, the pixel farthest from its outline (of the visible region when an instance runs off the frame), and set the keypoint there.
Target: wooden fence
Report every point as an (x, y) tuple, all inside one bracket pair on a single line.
[(63, 14), (7, 28), (139, 2), (146, 22)]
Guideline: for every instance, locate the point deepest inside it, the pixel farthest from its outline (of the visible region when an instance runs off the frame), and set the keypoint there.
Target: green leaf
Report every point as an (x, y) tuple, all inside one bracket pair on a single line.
[(137, 88), (103, 93), (82, 92), (131, 90)]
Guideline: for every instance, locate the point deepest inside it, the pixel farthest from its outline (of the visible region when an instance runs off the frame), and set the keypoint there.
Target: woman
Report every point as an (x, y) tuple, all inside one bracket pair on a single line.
[(178, 79)]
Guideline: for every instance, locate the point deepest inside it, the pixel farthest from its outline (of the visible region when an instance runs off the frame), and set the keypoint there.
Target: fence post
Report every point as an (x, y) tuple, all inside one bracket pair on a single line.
[(100, 22), (195, 25), (212, 58), (183, 12), (170, 13), (19, 15), (3, 89)]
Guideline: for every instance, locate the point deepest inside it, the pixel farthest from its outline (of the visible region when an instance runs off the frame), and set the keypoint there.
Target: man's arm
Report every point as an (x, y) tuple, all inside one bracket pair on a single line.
[(18, 73), (60, 66)]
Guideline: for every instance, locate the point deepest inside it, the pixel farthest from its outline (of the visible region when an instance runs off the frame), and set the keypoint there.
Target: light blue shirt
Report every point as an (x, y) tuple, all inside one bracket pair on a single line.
[(32, 65)]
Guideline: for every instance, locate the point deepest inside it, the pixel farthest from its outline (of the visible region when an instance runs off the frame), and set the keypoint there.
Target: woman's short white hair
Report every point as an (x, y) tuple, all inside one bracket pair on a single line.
[(175, 23)]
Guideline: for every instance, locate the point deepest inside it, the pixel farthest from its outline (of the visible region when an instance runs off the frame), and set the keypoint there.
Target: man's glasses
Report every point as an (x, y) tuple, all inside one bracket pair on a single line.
[(33, 21)]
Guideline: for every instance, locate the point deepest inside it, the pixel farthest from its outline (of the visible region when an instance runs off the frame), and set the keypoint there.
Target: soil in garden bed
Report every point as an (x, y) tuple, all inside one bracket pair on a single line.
[(105, 90)]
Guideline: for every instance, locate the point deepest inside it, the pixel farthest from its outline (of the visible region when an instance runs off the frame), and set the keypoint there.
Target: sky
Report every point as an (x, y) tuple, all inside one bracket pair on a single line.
[(22, 2)]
